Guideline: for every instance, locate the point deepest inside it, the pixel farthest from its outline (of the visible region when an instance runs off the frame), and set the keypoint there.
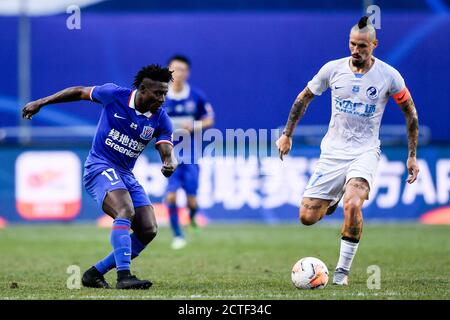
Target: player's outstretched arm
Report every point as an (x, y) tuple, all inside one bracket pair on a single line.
[(66, 95), (412, 125), (297, 111), (167, 158)]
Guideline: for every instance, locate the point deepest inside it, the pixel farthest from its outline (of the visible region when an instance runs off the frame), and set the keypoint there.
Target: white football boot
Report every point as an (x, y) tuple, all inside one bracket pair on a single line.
[(178, 243), (340, 277)]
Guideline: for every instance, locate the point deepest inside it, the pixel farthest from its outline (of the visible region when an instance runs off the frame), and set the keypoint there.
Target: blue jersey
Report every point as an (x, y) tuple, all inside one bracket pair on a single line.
[(187, 105), (122, 131)]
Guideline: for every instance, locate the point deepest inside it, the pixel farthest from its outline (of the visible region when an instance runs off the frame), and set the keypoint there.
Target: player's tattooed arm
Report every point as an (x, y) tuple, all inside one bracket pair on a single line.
[(412, 125), (66, 95), (167, 158), (298, 109)]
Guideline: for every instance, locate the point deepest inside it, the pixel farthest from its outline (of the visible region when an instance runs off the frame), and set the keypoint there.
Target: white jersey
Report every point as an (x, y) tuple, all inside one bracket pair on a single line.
[(357, 103)]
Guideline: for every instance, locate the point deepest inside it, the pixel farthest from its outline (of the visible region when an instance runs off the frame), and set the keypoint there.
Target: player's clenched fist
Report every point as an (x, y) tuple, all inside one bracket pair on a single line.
[(168, 169), (31, 109), (284, 144)]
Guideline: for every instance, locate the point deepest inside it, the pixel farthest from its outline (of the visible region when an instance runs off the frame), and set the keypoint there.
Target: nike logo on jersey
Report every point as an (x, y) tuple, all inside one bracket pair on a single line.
[(401, 98), (335, 87), (118, 117), (127, 254), (114, 183)]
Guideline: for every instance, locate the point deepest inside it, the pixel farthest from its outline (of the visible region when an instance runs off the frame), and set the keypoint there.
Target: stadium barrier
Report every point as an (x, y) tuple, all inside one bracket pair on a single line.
[(45, 184)]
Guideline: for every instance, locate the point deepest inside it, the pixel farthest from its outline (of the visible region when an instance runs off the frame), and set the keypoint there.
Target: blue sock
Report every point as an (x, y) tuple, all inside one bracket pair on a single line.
[(109, 262), (121, 243), (174, 223), (136, 246)]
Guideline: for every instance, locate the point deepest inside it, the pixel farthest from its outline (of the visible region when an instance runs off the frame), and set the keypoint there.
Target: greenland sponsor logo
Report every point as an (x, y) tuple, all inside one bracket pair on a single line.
[(147, 133), (372, 93), (123, 143), (121, 149)]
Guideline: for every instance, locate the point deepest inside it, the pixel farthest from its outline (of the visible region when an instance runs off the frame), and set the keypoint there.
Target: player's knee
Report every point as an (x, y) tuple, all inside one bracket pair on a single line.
[(126, 212), (152, 231), (308, 217)]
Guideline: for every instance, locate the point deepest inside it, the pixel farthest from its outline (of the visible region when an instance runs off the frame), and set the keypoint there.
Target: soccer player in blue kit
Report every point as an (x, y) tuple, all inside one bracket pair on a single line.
[(185, 105), (128, 121)]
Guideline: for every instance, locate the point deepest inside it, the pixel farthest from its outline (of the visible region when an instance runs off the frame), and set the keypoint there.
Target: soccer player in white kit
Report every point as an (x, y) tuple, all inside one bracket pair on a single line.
[(360, 88)]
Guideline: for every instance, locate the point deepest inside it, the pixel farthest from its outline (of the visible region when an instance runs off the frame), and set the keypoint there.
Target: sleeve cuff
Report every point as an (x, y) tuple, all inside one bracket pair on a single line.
[(90, 93), (164, 141)]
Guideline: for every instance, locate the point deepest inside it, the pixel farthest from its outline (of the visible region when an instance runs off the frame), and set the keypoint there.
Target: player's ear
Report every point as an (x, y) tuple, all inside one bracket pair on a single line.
[(141, 87), (375, 43)]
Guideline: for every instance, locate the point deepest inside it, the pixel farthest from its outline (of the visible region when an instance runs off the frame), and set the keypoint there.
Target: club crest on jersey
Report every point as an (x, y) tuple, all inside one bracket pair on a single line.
[(372, 93), (147, 133)]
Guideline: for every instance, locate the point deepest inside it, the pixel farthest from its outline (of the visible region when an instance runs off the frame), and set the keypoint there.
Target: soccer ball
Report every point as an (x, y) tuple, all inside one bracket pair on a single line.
[(309, 273)]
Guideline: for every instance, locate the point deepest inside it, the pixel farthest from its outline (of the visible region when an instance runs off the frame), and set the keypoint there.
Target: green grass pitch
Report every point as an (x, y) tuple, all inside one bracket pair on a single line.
[(229, 262)]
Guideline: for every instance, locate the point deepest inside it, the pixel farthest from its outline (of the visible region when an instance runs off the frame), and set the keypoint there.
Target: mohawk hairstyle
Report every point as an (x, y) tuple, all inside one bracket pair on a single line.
[(364, 25), (154, 72), (363, 22)]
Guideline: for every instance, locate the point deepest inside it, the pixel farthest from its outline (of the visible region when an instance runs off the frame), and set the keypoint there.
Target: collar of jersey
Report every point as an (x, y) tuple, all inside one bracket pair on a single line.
[(148, 114), (183, 94), (360, 75)]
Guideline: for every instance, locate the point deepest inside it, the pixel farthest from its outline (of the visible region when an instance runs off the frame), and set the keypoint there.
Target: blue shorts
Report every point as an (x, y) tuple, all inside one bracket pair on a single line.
[(185, 177), (99, 179)]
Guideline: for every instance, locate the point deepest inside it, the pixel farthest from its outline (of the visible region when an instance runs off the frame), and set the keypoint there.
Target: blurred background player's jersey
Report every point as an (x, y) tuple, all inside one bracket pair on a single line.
[(122, 131), (186, 107), (358, 102)]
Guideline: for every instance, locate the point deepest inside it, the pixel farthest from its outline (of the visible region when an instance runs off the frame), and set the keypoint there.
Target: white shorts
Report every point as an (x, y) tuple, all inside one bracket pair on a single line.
[(331, 175)]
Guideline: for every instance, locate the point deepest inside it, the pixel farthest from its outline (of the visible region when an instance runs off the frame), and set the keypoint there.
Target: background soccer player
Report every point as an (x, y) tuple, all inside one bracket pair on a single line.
[(361, 86), (129, 120), (185, 105)]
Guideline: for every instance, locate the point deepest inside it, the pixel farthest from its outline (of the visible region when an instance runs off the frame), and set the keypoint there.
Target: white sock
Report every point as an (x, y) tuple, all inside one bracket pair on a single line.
[(348, 251)]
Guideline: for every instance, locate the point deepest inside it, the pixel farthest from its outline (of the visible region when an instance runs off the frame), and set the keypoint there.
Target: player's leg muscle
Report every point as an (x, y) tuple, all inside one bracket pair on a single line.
[(356, 191), (171, 197), (144, 224), (312, 210), (118, 204), (192, 202)]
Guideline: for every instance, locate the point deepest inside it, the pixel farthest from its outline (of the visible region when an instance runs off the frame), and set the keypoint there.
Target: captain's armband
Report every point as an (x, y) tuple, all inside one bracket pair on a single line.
[(402, 96)]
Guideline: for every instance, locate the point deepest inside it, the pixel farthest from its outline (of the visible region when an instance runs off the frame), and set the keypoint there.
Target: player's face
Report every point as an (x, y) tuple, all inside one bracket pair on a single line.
[(180, 71), (153, 94), (361, 47)]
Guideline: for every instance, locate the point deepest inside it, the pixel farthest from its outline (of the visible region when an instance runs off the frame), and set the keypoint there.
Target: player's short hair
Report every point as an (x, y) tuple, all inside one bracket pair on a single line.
[(154, 72), (180, 57), (364, 25)]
